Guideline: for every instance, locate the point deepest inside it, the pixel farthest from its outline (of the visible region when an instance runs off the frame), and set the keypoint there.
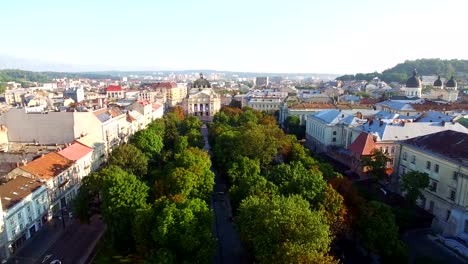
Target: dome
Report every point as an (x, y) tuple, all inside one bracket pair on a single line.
[(451, 83), (438, 82), (201, 82), (413, 81)]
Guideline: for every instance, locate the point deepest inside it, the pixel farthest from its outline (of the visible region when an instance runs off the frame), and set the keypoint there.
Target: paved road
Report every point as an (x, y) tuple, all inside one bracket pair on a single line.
[(230, 248), (419, 245), (76, 243)]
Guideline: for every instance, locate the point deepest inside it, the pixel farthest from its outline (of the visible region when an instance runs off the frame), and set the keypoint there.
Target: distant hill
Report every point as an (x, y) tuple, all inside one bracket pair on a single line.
[(43, 77), (401, 72)]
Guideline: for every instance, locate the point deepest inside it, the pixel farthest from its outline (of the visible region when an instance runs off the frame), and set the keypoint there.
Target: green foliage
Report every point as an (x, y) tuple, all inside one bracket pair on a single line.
[(122, 195), (175, 232), (376, 164), (148, 141), (463, 122), (379, 233), (294, 127), (254, 185), (188, 175), (412, 183), (130, 159), (242, 169), (401, 71), (283, 230), (294, 178)]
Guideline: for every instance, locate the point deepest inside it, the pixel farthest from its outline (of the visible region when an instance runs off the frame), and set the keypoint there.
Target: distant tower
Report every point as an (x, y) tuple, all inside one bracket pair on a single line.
[(413, 87), (438, 83), (451, 84)]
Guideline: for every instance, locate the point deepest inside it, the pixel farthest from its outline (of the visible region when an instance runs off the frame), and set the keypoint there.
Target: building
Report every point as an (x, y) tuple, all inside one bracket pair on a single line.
[(24, 205), (99, 153), (75, 93), (202, 100), (115, 92), (173, 92), (82, 157), (261, 81), (59, 176), (444, 157), (413, 87)]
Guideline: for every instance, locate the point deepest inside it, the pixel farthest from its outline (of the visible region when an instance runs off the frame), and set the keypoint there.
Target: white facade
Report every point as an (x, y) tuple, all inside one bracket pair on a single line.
[(24, 218)]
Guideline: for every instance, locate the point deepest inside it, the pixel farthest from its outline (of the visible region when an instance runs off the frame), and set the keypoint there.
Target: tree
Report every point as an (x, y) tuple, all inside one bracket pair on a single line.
[(294, 127), (148, 142), (334, 210), (283, 230), (122, 195), (242, 169), (89, 191), (175, 232), (130, 159), (254, 185), (379, 233), (376, 164), (294, 178), (412, 183)]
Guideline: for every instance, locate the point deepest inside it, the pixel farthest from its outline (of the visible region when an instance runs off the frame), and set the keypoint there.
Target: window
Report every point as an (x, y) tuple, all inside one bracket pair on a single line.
[(405, 156), (403, 170), (455, 176), (29, 218), (466, 226), (334, 133), (433, 186), (436, 168), (428, 165), (29, 208), (452, 195), (431, 206), (423, 202), (413, 159), (19, 216), (386, 150), (334, 140), (448, 215), (392, 150)]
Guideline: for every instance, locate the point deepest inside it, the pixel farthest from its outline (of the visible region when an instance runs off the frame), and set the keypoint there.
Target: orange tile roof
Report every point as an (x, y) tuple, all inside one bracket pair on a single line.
[(48, 166), (363, 145)]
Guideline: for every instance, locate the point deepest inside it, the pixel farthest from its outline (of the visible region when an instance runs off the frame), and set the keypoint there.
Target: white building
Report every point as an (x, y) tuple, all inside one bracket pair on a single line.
[(24, 205), (202, 100), (444, 157), (82, 157), (413, 87)]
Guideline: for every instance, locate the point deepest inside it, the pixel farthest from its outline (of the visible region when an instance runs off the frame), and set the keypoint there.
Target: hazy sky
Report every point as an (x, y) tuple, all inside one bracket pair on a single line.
[(327, 36)]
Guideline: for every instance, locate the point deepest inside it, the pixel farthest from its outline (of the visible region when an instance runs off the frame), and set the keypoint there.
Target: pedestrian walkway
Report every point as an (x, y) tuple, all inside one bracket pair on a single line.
[(37, 245)]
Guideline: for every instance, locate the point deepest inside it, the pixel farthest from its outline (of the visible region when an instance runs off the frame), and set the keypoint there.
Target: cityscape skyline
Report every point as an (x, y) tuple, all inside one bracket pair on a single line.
[(300, 37)]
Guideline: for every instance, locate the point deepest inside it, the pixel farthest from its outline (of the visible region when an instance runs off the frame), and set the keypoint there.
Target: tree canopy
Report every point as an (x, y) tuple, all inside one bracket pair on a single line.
[(131, 159), (283, 230), (412, 183)]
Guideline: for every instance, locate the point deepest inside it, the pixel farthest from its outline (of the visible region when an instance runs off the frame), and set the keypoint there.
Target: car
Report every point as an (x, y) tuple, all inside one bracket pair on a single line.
[(56, 261)]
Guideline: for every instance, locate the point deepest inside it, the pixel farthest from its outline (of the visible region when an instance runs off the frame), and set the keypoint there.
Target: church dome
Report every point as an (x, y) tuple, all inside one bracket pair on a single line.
[(201, 82), (413, 81), (438, 82), (451, 83)]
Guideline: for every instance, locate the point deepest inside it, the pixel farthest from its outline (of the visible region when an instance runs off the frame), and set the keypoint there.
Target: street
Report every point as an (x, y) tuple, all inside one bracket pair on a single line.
[(71, 245), (230, 249)]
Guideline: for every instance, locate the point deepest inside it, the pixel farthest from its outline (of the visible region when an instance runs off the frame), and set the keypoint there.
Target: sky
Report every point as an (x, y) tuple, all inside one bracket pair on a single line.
[(326, 36)]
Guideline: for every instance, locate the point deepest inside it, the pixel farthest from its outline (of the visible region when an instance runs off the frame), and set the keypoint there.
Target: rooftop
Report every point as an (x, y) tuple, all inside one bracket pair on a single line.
[(449, 143), (75, 151), (114, 88), (363, 145), (48, 166), (17, 189)]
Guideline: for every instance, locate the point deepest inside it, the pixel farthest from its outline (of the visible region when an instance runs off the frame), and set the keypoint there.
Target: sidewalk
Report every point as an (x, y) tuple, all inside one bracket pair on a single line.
[(37, 245)]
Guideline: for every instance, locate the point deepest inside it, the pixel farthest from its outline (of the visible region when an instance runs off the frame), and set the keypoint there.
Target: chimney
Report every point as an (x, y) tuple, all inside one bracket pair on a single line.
[(443, 123), (380, 122)]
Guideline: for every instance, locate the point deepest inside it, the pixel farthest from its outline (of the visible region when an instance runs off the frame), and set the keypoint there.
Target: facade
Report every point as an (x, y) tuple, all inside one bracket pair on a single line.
[(202, 100), (75, 93), (115, 92), (59, 176), (99, 153), (444, 157), (265, 104), (413, 87), (24, 206), (261, 81), (82, 157), (173, 93)]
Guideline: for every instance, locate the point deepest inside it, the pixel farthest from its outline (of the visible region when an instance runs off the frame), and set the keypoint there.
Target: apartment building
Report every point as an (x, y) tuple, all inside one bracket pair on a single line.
[(24, 206), (444, 157), (82, 157)]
